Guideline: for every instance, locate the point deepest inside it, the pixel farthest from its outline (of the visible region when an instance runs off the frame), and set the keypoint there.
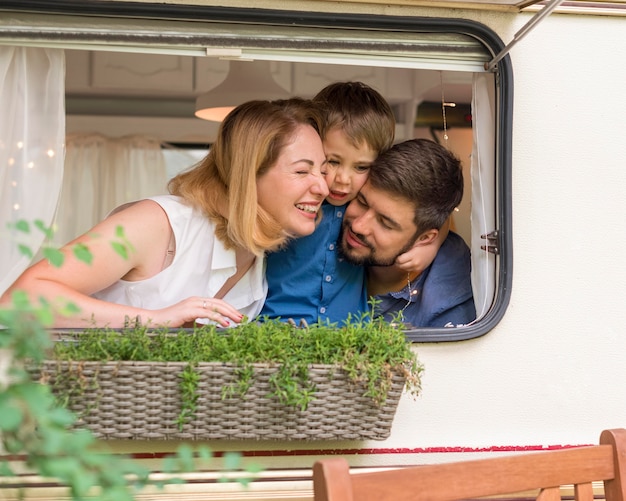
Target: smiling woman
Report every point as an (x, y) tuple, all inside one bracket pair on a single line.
[(298, 180), (198, 254)]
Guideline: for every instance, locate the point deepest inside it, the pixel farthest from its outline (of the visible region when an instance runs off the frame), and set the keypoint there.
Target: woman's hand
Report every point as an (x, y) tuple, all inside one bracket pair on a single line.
[(192, 309)]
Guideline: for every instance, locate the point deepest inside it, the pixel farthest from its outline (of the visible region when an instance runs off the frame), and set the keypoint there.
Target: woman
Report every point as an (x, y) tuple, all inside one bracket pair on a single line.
[(198, 254)]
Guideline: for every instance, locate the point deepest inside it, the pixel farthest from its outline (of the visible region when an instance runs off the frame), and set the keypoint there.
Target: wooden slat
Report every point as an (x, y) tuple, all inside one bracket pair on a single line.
[(549, 494), (583, 492), (545, 472), (492, 476)]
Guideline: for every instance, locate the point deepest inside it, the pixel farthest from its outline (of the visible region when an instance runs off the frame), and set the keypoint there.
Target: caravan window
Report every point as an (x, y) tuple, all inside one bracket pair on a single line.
[(133, 72)]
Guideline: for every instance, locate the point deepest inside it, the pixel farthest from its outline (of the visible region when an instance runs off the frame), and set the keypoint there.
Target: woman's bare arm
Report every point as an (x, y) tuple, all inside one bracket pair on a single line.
[(147, 233)]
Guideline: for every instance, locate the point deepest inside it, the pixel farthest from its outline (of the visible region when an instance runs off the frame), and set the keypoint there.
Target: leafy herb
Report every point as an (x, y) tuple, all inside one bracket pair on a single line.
[(370, 351)]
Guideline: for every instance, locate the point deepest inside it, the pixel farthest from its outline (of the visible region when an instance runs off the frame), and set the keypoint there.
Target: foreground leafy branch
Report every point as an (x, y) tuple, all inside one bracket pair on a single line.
[(33, 426), (38, 433)]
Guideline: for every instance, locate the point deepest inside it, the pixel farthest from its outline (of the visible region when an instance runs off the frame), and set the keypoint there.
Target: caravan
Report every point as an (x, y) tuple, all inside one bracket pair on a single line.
[(534, 110)]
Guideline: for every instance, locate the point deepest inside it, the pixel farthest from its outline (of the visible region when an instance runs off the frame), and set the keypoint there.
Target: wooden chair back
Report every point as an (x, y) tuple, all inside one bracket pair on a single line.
[(543, 472)]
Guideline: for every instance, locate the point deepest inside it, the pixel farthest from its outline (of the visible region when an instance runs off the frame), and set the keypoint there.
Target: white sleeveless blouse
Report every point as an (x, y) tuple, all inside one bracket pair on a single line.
[(200, 267)]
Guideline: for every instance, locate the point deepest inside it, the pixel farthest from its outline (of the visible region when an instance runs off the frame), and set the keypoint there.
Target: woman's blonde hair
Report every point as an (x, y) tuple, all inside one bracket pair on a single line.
[(223, 185)]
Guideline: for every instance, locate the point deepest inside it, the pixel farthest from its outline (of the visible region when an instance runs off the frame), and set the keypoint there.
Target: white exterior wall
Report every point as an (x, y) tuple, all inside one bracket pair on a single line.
[(551, 372)]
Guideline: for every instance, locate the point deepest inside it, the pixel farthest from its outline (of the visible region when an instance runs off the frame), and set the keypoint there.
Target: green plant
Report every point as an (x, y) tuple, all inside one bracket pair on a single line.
[(189, 393), (369, 350), (34, 426)]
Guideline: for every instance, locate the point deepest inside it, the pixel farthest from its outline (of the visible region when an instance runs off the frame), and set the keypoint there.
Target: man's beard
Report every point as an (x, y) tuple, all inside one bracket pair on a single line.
[(372, 259)]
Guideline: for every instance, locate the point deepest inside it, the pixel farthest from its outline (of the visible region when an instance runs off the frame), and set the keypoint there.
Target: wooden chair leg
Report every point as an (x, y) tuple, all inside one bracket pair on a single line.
[(615, 489), (331, 480)]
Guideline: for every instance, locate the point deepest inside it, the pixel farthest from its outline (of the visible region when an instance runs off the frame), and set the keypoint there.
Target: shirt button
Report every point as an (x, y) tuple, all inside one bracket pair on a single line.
[(328, 278), (322, 310), (331, 246), (339, 213)]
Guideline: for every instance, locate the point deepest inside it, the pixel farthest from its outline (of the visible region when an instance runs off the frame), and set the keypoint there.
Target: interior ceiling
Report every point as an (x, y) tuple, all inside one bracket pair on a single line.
[(165, 101)]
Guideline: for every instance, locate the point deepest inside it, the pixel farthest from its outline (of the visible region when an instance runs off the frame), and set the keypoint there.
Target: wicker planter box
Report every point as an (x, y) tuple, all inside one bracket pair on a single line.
[(141, 400)]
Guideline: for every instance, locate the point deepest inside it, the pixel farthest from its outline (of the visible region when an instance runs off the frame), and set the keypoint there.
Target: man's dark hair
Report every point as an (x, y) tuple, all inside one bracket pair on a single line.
[(426, 174)]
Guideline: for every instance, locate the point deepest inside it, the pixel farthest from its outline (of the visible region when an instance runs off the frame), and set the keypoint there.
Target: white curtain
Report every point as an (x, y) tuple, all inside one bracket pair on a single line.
[(483, 190), (102, 173), (32, 131)]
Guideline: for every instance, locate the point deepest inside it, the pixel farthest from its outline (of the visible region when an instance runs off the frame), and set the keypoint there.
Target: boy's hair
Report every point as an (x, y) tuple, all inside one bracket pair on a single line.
[(360, 112), (424, 173), (223, 185)]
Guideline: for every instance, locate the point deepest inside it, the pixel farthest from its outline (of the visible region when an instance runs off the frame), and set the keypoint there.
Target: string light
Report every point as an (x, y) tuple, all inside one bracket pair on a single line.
[(443, 109)]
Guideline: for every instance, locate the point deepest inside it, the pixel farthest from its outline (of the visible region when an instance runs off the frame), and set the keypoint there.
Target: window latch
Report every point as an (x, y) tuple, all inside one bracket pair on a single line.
[(493, 242)]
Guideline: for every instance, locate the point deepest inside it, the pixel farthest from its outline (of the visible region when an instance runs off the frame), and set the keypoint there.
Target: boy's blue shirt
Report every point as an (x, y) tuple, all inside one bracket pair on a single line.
[(309, 280)]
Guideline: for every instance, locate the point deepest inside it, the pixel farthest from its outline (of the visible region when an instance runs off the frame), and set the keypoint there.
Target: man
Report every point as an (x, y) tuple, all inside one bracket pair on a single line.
[(410, 194)]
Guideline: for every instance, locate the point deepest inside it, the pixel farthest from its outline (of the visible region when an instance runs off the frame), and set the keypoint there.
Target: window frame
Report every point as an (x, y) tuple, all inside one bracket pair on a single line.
[(320, 20)]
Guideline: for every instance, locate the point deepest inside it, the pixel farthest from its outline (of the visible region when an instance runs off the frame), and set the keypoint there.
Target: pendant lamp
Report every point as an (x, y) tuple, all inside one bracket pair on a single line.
[(246, 81)]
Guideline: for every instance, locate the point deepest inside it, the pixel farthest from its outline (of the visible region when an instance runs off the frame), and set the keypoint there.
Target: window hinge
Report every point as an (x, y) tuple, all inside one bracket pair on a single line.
[(493, 242), (549, 7)]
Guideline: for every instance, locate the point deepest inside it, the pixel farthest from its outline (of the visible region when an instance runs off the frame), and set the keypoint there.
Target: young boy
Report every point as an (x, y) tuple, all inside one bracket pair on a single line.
[(308, 279)]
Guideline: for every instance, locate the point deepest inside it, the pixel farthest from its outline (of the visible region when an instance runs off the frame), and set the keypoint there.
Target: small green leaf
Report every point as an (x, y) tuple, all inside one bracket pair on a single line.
[(22, 225), (232, 460), (61, 417), (55, 442), (45, 316), (205, 453), (185, 456), (69, 309), (54, 256), (5, 469), (10, 418), (20, 299), (83, 482), (169, 464), (36, 396), (119, 231), (254, 468), (48, 232), (82, 253), (60, 466), (25, 250), (120, 249)]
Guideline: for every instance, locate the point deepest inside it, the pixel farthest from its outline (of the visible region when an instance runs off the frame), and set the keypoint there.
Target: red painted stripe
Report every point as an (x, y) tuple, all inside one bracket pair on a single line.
[(353, 452), (377, 451)]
